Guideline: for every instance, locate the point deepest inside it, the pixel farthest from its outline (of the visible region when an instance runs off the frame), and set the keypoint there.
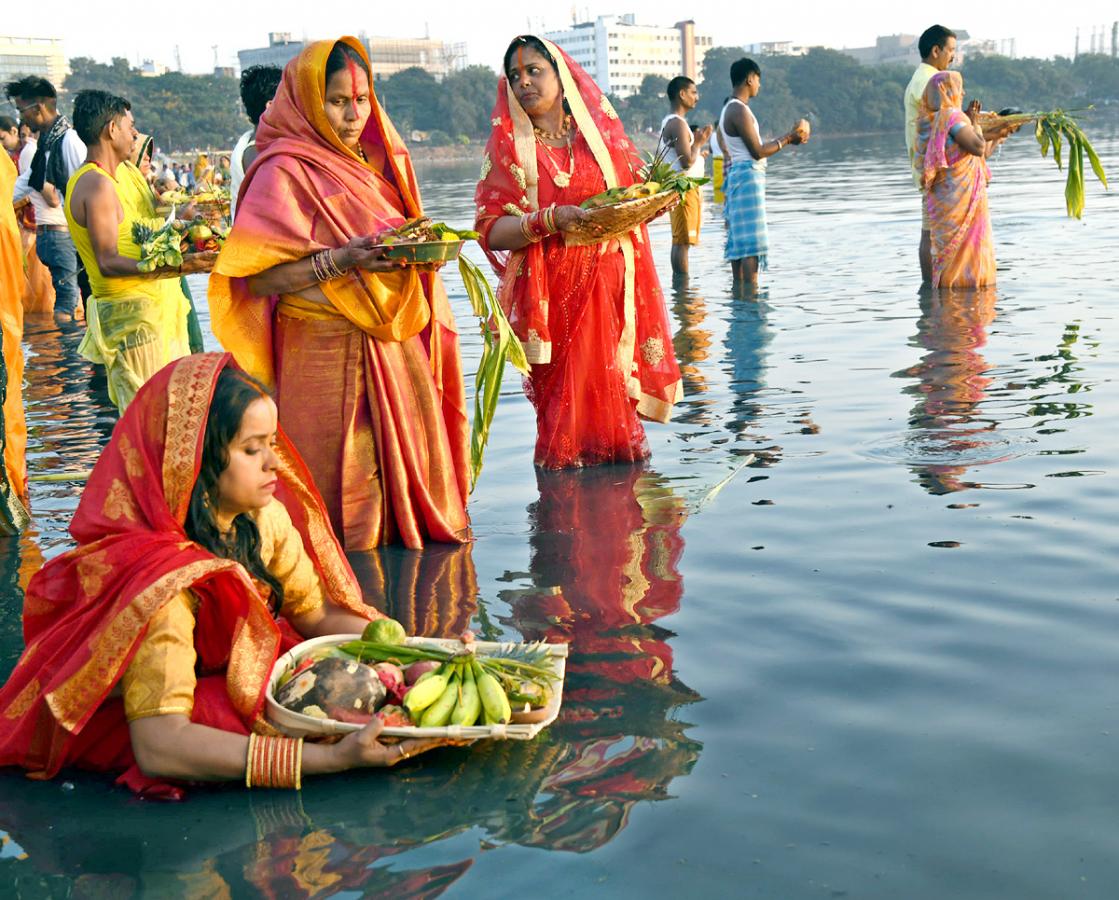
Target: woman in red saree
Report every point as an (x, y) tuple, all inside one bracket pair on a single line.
[(203, 553), (362, 352), (592, 319)]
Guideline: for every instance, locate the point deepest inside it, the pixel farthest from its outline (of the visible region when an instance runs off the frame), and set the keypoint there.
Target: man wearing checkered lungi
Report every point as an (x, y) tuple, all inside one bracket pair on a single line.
[(744, 208)]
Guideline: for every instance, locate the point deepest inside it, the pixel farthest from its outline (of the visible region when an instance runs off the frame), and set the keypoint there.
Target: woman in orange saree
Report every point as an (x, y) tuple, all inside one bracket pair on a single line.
[(954, 178), (13, 425), (362, 352), (592, 318), (203, 553)]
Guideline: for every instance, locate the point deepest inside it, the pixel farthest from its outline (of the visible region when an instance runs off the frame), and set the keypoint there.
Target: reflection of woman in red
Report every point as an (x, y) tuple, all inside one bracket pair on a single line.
[(605, 549), (952, 381)]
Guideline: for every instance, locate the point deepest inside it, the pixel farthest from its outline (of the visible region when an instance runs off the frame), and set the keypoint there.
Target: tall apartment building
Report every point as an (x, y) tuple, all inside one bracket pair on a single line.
[(386, 55), (20, 56), (618, 53)]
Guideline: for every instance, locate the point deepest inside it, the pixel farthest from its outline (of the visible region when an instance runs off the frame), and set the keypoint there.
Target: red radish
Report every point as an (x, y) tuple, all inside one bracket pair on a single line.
[(414, 671)]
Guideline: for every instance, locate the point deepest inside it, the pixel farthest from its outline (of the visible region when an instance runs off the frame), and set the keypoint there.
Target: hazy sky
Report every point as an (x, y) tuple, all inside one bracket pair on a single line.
[(152, 30)]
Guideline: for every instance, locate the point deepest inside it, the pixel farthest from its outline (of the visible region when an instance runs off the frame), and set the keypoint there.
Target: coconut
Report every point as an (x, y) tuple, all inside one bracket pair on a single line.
[(341, 689)]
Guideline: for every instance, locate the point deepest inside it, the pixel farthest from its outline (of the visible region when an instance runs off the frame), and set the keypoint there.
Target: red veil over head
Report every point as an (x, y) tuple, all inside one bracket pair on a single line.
[(87, 610), (510, 185)]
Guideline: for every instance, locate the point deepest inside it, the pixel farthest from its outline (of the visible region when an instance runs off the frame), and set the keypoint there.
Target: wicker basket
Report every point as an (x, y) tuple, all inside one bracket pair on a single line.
[(421, 252), (995, 126), (204, 265), (524, 727), (609, 222)]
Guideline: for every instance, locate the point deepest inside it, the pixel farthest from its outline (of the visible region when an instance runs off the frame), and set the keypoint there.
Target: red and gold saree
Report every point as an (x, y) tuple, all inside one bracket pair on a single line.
[(87, 610), (369, 386), (592, 319)]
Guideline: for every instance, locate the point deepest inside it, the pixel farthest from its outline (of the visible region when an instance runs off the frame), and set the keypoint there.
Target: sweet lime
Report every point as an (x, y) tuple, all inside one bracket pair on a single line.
[(384, 631)]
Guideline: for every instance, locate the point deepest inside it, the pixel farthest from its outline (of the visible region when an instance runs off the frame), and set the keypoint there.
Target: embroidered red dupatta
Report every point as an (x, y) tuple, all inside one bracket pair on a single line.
[(578, 310), (86, 611)]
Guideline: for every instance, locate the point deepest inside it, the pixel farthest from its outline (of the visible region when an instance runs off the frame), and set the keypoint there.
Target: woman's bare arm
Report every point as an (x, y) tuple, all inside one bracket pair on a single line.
[(293, 277), (173, 746), (506, 234)]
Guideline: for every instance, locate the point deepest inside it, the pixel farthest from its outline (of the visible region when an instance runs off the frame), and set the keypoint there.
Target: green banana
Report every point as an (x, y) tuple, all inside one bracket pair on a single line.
[(425, 692), (469, 704), (439, 713), (494, 702)]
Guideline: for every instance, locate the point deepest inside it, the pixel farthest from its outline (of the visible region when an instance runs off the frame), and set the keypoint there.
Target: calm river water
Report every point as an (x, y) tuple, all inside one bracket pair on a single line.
[(878, 660)]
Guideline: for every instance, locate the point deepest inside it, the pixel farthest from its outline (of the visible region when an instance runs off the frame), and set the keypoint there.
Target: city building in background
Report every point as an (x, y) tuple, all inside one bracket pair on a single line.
[(618, 53), (387, 55), (776, 48), (20, 56)]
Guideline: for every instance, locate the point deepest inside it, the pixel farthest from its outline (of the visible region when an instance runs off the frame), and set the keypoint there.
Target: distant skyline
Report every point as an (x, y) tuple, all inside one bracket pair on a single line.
[(153, 31)]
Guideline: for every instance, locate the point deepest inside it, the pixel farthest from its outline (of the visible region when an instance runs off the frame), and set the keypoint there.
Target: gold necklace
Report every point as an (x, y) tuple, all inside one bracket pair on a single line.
[(560, 178), (565, 128)]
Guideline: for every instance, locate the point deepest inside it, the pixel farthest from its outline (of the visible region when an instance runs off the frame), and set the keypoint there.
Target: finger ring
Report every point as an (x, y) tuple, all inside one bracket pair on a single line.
[(400, 752)]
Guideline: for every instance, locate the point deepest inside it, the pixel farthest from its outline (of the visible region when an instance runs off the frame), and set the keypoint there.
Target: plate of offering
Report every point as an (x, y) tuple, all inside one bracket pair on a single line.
[(420, 241), (416, 686)]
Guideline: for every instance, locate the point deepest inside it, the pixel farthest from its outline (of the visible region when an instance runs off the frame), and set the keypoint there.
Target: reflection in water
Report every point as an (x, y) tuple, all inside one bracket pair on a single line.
[(747, 340), (433, 592), (951, 384), (605, 545), (692, 343)]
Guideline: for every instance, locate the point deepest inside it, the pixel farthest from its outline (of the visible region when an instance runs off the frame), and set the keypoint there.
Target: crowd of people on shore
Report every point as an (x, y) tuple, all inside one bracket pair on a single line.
[(212, 532)]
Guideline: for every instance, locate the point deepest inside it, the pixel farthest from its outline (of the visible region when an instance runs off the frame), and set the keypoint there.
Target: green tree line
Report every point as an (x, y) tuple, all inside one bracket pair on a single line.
[(837, 93)]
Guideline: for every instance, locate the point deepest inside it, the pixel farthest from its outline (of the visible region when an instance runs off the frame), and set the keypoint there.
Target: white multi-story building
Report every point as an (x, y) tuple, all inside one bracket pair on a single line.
[(776, 48), (618, 53), (386, 55), (21, 56)]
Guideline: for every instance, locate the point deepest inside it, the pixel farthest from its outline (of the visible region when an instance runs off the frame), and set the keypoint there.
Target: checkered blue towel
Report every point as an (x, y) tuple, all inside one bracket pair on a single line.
[(744, 209)]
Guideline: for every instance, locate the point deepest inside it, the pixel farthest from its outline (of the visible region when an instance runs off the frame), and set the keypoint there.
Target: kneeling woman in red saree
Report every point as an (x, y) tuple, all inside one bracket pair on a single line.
[(363, 352), (592, 318), (203, 553)]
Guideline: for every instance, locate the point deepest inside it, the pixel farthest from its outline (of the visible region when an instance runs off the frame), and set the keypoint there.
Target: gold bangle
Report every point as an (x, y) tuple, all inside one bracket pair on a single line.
[(249, 761), (299, 764)]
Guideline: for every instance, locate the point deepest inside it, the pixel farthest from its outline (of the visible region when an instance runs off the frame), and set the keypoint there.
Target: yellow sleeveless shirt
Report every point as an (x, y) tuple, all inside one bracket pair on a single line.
[(134, 199)]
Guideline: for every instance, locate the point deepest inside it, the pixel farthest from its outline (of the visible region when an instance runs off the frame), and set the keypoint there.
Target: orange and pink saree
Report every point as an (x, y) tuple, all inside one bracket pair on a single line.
[(369, 386), (955, 185)]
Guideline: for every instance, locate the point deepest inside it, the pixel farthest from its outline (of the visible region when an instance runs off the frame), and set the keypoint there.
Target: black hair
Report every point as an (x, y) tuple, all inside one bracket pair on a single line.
[(532, 42), (676, 85), (233, 393), (93, 110), (742, 69), (258, 86), (336, 62), (32, 87), (7, 123), (933, 37)]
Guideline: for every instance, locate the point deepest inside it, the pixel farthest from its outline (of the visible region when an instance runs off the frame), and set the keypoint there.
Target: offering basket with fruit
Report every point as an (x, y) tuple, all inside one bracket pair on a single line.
[(418, 687), (177, 243), (619, 210)]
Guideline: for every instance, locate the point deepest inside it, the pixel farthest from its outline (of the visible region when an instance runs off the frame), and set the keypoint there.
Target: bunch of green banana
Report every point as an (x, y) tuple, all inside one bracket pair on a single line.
[(459, 692)]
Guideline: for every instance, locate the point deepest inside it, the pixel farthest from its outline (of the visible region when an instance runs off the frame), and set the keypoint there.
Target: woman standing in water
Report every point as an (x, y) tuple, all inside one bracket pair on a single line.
[(954, 174), (363, 352), (203, 553), (592, 318)]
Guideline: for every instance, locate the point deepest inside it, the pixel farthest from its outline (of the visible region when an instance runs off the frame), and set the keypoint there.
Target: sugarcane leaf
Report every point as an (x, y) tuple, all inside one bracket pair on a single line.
[(1054, 139), (1042, 139), (1094, 160), (1074, 184)]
